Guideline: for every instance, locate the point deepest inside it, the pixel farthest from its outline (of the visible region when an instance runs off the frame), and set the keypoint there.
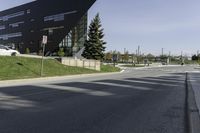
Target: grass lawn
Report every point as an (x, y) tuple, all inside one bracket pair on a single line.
[(109, 68), (21, 68)]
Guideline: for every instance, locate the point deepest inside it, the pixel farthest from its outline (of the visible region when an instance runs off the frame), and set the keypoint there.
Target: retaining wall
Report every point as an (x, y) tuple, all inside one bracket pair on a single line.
[(90, 64)]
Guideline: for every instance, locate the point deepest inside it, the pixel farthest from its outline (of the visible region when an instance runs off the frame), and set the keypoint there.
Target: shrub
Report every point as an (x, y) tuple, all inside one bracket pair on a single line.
[(27, 51), (61, 52), (40, 52)]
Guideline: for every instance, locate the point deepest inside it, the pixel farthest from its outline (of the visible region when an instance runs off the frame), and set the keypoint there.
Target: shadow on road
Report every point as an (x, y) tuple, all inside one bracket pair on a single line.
[(130, 105), (23, 97)]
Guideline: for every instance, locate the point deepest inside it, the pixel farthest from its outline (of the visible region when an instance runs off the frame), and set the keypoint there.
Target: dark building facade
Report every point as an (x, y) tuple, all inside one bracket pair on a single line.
[(63, 21)]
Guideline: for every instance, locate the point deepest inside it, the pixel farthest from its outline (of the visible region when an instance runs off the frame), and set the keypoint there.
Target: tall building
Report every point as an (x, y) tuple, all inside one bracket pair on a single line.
[(63, 21)]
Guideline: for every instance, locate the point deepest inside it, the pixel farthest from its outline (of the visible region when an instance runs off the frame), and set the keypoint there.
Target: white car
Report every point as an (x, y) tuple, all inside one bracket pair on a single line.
[(5, 51)]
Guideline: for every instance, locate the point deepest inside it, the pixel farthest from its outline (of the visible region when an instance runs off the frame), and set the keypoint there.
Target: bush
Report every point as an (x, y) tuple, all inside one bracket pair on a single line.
[(27, 51), (109, 68), (61, 52), (17, 49), (40, 53)]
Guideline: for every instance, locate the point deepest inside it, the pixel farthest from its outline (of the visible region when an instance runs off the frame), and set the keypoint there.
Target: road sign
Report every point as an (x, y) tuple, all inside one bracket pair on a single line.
[(44, 39), (115, 57)]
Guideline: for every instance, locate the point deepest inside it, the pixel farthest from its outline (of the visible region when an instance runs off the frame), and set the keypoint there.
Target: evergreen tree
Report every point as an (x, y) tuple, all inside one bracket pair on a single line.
[(95, 45), (195, 57)]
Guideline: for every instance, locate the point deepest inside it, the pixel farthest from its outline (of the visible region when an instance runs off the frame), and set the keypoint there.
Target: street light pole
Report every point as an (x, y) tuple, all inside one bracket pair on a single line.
[(169, 57), (138, 54)]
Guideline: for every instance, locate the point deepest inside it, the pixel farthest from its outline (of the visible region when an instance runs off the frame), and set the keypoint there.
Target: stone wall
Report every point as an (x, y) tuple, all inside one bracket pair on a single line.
[(90, 64)]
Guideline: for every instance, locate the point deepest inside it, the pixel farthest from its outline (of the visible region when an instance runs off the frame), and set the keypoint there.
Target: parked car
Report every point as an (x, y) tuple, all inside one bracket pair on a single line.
[(6, 51)]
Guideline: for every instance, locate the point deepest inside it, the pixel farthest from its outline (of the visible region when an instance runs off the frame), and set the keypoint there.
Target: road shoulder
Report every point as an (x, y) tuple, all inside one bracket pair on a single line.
[(192, 106), (17, 82)]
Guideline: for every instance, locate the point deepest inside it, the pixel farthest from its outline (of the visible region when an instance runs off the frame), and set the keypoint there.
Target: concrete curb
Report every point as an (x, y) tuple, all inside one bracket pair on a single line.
[(192, 111), (5, 83), (149, 67)]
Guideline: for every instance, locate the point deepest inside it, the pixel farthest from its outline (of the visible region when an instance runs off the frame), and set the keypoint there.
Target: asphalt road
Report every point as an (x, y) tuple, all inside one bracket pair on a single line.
[(136, 101), (194, 80)]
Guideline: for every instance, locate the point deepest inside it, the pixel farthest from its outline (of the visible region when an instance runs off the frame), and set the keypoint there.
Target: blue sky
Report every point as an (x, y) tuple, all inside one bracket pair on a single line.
[(153, 24)]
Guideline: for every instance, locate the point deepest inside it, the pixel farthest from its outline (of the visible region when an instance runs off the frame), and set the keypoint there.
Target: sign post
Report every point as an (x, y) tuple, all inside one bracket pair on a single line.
[(115, 58), (44, 42)]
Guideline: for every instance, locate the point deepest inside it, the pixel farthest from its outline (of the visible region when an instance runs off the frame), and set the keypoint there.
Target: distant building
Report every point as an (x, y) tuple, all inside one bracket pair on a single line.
[(63, 21), (163, 60)]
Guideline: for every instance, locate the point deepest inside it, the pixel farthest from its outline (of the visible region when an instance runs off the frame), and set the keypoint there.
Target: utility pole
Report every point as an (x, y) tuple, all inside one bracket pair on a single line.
[(124, 51), (123, 57), (181, 54), (138, 54), (139, 50), (162, 59), (133, 59), (169, 57), (181, 57)]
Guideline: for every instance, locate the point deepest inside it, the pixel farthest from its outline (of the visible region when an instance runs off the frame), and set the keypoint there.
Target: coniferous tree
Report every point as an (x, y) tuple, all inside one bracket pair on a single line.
[(95, 45)]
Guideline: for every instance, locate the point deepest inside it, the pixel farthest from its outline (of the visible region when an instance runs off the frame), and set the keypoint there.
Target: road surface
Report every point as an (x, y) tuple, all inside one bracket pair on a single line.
[(135, 101)]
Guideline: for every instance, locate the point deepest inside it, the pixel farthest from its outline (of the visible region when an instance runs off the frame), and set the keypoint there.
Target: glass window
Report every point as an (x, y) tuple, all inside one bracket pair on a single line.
[(32, 20), (12, 35), (53, 28), (4, 47), (7, 17), (16, 24), (28, 11), (58, 17), (2, 27)]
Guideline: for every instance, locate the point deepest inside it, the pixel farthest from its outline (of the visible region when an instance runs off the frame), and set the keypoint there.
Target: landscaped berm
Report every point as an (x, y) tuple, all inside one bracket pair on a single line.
[(21, 67)]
